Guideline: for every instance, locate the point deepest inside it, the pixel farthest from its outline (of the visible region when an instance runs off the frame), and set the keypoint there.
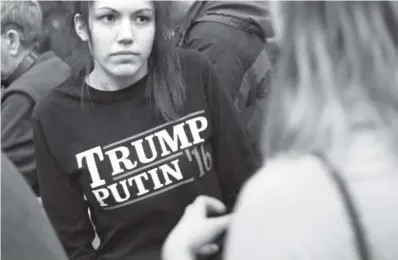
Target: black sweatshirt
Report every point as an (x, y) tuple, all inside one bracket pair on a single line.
[(111, 152)]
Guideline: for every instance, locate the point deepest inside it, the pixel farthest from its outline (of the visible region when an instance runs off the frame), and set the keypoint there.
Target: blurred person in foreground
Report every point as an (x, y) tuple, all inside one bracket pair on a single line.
[(329, 189), (29, 77), (26, 232)]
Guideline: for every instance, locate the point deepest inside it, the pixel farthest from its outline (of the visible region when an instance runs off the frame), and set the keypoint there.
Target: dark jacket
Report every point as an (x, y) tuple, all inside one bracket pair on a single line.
[(17, 104), (233, 35), (254, 10), (230, 33)]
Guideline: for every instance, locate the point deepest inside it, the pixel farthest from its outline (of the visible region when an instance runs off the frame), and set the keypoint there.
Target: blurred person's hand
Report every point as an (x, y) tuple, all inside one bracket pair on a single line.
[(196, 232)]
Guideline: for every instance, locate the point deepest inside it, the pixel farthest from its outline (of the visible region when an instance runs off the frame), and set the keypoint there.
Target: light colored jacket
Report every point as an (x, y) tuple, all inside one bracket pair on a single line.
[(292, 210)]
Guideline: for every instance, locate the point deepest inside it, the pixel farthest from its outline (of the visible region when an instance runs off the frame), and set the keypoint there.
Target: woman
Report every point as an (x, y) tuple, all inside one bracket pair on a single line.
[(329, 189), (135, 137)]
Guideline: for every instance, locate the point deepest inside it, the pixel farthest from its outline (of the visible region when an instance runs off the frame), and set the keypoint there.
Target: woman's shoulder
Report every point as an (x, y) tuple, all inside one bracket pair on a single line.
[(56, 98)]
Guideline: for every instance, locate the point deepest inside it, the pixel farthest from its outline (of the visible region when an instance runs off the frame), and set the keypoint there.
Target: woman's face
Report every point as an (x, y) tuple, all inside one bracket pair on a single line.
[(122, 35)]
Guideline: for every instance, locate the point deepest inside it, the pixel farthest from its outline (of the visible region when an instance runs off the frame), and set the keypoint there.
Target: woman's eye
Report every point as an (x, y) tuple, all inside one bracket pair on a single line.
[(108, 18), (143, 19)]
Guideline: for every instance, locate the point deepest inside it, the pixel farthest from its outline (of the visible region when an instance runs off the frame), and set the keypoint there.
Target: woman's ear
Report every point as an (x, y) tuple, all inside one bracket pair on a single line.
[(81, 27)]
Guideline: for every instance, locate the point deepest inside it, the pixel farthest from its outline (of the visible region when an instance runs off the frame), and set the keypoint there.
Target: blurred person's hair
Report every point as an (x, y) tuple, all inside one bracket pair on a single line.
[(24, 16), (166, 88), (337, 74)]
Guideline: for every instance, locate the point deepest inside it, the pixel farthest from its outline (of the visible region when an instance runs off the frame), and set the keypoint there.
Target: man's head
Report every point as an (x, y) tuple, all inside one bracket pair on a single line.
[(21, 23)]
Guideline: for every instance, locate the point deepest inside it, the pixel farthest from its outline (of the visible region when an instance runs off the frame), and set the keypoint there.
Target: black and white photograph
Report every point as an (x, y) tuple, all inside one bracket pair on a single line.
[(199, 130)]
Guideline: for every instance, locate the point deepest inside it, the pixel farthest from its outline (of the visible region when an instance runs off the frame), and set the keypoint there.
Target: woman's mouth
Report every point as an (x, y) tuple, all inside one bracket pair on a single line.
[(125, 53)]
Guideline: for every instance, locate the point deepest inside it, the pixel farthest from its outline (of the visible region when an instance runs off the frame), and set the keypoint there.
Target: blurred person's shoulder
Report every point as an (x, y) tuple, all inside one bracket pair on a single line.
[(291, 185), (286, 174), (294, 201), (286, 205)]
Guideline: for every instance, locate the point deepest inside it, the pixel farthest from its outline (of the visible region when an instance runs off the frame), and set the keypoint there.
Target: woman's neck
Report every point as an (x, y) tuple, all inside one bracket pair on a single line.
[(102, 80)]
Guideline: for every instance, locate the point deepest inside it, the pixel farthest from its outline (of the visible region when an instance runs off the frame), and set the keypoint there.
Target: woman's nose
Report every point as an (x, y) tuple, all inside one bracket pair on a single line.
[(125, 34)]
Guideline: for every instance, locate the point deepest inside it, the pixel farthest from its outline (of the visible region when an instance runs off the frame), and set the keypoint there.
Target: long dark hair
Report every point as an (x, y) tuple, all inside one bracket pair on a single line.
[(166, 88)]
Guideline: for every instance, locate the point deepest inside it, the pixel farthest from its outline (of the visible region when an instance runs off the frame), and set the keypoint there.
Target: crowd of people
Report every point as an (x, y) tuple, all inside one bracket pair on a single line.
[(183, 130)]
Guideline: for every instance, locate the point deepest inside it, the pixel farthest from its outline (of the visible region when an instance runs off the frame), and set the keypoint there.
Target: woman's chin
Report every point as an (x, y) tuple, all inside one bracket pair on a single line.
[(125, 71)]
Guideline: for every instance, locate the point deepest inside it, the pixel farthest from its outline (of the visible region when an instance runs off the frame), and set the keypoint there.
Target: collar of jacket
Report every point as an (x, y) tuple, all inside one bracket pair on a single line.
[(24, 66)]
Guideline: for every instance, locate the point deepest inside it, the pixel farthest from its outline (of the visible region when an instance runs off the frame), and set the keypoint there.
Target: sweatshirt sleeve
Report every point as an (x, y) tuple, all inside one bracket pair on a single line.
[(63, 201), (234, 157)]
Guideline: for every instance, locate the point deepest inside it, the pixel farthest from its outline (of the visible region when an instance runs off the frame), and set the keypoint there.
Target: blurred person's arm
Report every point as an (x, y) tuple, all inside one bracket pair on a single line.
[(63, 199), (16, 133)]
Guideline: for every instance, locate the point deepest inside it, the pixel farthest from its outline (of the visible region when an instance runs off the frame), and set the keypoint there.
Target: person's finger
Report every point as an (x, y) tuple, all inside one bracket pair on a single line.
[(215, 206), (209, 250), (205, 205), (215, 227)]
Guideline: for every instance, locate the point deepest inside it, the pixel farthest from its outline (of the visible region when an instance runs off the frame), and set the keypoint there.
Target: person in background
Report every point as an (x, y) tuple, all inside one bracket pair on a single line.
[(134, 136), (29, 76), (55, 15), (234, 37), (329, 188)]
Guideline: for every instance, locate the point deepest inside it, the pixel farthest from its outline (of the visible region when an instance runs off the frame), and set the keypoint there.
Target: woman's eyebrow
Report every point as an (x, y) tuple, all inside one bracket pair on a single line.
[(106, 8), (145, 9), (136, 11)]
